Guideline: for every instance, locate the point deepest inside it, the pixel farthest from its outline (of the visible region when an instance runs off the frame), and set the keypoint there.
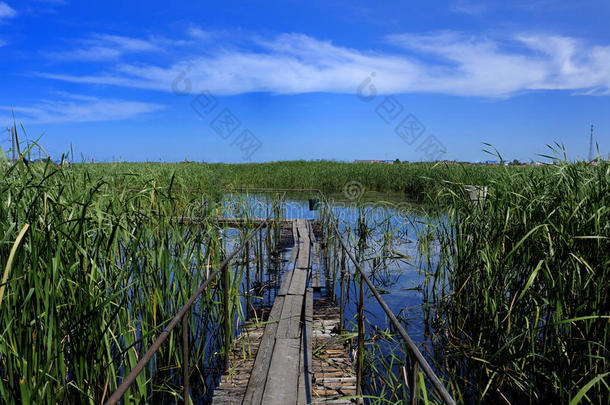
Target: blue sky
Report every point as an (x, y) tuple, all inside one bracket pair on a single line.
[(261, 81)]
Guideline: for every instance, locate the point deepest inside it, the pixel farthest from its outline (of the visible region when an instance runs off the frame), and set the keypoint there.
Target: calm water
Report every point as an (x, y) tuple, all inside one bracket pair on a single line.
[(393, 258), (391, 220)]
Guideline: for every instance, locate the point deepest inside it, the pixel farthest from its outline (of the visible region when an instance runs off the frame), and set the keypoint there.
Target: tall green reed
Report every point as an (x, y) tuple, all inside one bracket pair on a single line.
[(523, 297), (104, 264)]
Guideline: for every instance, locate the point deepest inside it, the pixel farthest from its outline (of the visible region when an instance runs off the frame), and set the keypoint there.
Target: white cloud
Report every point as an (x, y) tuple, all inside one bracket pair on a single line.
[(6, 11), (79, 108), (103, 47), (441, 62), (127, 44), (198, 33)]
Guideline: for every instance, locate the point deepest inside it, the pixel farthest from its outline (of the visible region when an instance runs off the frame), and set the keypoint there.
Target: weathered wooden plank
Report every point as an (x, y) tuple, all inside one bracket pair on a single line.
[(306, 369), (304, 245), (258, 375), (293, 254), (292, 263), (295, 231), (316, 252), (298, 283), (312, 236), (276, 312), (285, 283), (309, 321), (282, 378), (303, 229), (301, 224), (290, 322), (303, 256), (316, 278)]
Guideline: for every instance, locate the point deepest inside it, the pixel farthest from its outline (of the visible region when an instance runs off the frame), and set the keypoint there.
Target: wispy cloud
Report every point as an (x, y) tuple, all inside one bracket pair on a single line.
[(6, 11), (103, 47), (199, 33), (487, 66), (440, 62), (80, 108)]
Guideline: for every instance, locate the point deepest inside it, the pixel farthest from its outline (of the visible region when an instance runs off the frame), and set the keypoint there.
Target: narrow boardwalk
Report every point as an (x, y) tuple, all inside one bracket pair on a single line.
[(273, 361)]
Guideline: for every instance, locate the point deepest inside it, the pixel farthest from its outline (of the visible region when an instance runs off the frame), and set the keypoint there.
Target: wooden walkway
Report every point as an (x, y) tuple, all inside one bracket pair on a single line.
[(272, 361)]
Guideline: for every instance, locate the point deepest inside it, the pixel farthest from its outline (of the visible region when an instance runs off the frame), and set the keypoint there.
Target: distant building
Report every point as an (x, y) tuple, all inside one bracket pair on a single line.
[(596, 161), (374, 161)]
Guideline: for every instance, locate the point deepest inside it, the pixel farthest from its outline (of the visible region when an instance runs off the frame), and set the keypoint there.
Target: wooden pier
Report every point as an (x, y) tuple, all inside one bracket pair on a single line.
[(293, 351), (273, 359)]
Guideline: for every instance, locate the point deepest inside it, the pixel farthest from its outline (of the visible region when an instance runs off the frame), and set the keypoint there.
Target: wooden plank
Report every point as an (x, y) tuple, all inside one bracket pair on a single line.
[(312, 237), (285, 283), (303, 256), (304, 244), (295, 232), (316, 279), (306, 368), (258, 375), (292, 263), (316, 253), (298, 283), (293, 253), (309, 327), (283, 378), (286, 355), (303, 230), (290, 322)]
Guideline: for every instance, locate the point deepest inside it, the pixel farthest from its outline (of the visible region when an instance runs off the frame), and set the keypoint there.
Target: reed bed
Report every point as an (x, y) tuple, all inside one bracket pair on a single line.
[(522, 296), (420, 181), (95, 261), (515, 288), (94, 264)]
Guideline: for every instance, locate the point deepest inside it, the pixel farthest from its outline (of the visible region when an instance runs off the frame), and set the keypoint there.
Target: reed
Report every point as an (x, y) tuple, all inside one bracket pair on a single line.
[(522, 300), (516, 303), (94, 263), (420, 181)]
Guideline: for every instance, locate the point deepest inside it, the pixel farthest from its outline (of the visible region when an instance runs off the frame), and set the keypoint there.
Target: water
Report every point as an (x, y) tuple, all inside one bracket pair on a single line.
[(393, 259)]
